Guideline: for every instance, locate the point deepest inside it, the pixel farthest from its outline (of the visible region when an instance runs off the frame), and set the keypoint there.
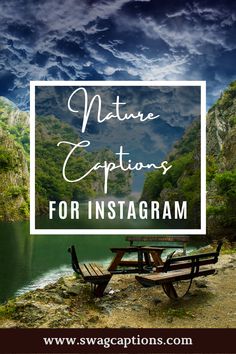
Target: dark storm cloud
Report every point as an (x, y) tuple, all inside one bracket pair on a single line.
[(70, 48), (40, 59), (21, 31), (6, 82), (120, 39)]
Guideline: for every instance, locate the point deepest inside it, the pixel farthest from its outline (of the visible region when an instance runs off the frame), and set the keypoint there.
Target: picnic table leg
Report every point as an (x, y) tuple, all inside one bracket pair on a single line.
[(156, 258), (116, 260), (100, 288), (170, 291), (147, 259), (140, 261)]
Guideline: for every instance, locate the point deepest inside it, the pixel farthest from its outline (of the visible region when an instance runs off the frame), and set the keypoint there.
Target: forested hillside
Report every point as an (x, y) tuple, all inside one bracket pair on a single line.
[(180, 183), (50, 184), (14, 165), (182, 180), (221, 165), (14, 162)]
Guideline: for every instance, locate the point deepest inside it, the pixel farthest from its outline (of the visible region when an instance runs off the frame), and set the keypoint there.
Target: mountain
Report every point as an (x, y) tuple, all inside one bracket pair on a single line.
[(182, 180), (14, 162), (221, 162), (14, 165), (50, 184)]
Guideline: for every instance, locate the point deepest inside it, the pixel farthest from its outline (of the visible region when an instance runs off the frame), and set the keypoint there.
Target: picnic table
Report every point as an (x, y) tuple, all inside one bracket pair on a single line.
[(146, 258)]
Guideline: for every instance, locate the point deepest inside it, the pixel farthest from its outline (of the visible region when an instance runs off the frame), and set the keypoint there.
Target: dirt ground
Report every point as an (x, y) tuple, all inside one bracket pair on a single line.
[(211, 303)]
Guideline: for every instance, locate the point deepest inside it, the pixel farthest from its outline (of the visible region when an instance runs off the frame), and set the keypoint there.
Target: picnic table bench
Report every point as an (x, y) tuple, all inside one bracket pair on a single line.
[(170, 241), (91, 272), (176, 269)]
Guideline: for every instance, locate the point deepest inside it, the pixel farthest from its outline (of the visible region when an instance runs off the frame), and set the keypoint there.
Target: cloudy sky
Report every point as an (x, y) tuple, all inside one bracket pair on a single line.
[(116, 40)]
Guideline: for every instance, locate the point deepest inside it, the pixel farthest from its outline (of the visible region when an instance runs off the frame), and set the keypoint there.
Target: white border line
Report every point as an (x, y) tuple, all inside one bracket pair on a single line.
[(203, 157), (34, 231), (32, 158)]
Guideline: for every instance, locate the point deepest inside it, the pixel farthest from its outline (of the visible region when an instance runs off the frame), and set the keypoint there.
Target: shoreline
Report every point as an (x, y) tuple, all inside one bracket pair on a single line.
[(68, 303)]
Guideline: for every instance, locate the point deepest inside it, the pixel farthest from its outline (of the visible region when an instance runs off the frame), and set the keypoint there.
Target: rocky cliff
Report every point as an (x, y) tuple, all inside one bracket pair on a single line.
[(14, 165), (221, 164), (221, 129), (14, 157), (221, 168)]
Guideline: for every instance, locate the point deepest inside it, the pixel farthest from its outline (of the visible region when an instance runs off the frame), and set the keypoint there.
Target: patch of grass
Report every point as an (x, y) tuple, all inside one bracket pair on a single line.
[(229, 250), (179, 313), (24, 209), (6, 311), (185, 308)]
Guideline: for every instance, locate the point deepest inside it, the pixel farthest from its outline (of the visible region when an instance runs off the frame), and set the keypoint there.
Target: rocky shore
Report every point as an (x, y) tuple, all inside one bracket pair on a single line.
[(68, 303)]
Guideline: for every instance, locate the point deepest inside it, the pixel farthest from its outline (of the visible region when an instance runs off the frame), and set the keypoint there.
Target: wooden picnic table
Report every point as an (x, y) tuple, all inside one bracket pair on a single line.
[(146, 258)]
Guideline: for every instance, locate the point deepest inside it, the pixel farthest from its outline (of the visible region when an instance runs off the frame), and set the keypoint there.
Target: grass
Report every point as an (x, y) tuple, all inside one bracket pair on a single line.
[(185, 308), (7, 310), (229, 250), (179, 313)]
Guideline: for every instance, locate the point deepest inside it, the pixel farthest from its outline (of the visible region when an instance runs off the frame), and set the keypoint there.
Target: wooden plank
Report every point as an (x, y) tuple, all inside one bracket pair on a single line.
[(116, 260), (125, 249), (91, 270), (156, 256), (163, 278), (99, 270), (158, 238), (133, 249), (186, 264), (173, 273), (84, 270), (153, 248), (199, 256)]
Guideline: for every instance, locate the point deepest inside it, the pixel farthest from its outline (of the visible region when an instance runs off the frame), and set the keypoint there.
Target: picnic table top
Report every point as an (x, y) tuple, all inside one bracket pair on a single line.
[(137, 248)]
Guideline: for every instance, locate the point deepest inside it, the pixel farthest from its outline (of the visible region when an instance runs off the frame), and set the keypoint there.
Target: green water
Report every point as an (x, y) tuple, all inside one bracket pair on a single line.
[(28, 262)]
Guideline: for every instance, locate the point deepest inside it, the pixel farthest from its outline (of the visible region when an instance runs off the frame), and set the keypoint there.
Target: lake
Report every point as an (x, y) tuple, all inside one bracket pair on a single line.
[(28, 262)]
